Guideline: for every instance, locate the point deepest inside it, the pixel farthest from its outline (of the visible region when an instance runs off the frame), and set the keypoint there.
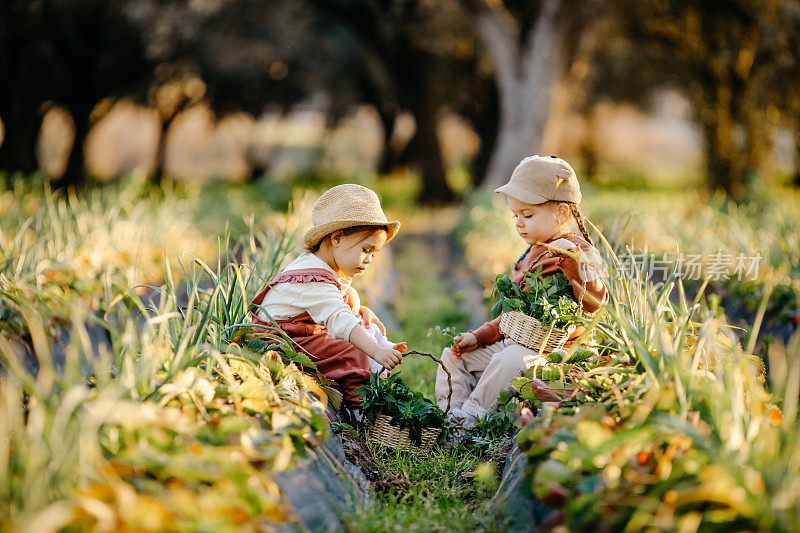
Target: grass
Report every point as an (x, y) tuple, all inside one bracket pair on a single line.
[(151, 355), (147, 432), (669, 230), (169, 416), (446, 489), (170, 419), (439, 491), (675, 431), (425, 301)]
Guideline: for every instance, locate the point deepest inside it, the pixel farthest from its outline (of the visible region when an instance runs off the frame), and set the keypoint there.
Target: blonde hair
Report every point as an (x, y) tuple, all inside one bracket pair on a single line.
[(352, 230), (573, 207)]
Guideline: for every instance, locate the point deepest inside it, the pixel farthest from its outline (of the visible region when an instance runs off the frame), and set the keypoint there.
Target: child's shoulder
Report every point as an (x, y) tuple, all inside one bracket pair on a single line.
[(572, 240), (307, 268), (569, 242), (566, 246), (307, 261)]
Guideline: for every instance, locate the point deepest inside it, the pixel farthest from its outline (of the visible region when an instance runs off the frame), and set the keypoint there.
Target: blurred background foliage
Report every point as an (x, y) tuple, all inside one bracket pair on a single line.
[(158, 163), (453, 91)]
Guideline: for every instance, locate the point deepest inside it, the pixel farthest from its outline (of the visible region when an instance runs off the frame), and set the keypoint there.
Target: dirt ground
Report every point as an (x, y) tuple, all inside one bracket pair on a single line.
[(357, 452)]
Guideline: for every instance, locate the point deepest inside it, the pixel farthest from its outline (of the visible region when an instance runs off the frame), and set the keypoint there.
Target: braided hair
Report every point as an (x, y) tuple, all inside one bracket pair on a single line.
[(573, 207)]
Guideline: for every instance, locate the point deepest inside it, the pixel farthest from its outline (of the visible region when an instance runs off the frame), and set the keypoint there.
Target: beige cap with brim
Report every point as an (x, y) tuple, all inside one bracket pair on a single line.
[(539, 179), (346, 206)]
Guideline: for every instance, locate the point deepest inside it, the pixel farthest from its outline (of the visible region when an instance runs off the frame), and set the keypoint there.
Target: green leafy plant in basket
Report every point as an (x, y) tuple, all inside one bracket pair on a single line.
[(548, 299), (406, 408)]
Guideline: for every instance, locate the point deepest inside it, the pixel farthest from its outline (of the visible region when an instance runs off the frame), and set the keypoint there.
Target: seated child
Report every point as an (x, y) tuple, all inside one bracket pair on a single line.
[(306, 298), (374, 328), (543, 195)]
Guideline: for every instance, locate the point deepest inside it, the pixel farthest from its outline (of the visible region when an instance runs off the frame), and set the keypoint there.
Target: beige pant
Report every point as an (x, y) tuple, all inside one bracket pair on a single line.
[(479, 376)]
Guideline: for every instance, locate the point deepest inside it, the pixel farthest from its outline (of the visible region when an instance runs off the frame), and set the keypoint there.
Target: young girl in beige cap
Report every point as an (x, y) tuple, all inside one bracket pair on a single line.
[(308, 299), (543, 195)]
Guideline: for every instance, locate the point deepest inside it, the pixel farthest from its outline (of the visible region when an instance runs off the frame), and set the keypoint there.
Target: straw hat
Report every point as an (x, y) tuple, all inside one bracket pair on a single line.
[(538, 179), (345, 206)]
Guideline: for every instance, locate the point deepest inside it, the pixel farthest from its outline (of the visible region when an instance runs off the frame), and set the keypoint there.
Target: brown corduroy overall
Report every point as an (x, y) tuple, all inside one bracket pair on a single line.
[(337, 359)]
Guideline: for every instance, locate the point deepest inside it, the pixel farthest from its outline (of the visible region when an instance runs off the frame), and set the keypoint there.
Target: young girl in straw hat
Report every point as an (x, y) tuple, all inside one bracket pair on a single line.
[(308, 298), (543, 196)]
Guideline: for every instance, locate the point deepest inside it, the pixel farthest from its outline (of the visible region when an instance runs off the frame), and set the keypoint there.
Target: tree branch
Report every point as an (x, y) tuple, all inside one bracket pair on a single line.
[(541, 44), (500, 36)]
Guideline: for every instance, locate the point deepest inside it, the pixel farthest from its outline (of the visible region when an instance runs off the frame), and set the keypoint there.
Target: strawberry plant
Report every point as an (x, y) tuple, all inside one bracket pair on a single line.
[(492, 429)]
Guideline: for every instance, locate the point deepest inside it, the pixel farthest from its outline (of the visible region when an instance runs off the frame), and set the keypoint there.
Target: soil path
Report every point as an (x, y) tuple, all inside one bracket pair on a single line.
[(444, 261), (421, 261)]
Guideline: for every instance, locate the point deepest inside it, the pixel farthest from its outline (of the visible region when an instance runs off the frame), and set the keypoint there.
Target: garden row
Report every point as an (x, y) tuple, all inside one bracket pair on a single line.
[(743, 249), (126, 407), (673, 425), (132, 408)]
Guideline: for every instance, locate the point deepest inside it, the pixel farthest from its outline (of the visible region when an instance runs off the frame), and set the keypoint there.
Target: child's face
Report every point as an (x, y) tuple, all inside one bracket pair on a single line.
[(353, 253), (539, 222)]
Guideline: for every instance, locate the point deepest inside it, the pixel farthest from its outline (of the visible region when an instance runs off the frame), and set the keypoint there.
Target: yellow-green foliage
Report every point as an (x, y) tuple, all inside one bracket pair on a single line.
[(83, 249), (669, 222), (172, 416), (671, 428), (84, 449)]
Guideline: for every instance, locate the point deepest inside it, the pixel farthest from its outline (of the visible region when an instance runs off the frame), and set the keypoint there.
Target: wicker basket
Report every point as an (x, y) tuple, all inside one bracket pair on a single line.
[(384, 433), (528, 331)]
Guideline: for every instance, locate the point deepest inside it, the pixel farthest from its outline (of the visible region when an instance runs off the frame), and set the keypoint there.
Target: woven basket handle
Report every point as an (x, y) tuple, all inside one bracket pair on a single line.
[(449, 377)]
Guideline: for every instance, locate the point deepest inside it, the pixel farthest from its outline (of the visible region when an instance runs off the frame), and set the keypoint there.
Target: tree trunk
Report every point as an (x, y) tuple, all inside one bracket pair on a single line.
[(486, 125), (428, 153), (480, 165), (424, 150), (724, 163), (759, 144), (588, 149), (525, 77), (75, 174), (388, 157), (796, 181), (18, 150), (22, 91)]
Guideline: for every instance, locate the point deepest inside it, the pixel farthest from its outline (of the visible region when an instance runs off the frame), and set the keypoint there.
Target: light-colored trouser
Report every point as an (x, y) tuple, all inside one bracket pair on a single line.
[(479, 376)]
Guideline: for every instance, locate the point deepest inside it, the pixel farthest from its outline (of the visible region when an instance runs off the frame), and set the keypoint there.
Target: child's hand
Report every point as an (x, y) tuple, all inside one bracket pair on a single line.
[(466, 342), (388, 358), (577, 332), (370, 317)]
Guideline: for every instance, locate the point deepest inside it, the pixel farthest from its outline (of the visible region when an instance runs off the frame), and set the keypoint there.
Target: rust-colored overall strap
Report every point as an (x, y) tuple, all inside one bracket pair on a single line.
[(302, 275)]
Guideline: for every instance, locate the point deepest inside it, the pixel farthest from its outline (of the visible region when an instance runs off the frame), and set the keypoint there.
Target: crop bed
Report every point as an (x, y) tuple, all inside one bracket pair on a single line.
[(675, 424), (129, 407), (132, 394)]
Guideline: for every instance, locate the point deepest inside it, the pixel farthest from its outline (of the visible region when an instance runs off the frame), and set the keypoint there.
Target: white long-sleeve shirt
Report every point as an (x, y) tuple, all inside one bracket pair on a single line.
[(321, 300)]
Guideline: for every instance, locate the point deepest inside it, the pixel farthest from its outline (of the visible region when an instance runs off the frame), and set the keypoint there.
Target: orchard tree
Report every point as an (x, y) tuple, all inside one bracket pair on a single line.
[(617, 69), (780, 88), (404, 56), (245, 55), (531, 45), (731, 59), (414, 52), (66, 53)]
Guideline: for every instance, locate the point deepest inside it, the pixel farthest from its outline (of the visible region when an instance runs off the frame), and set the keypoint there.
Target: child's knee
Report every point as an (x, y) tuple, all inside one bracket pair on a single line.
[(449, 359), (515, 357)]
